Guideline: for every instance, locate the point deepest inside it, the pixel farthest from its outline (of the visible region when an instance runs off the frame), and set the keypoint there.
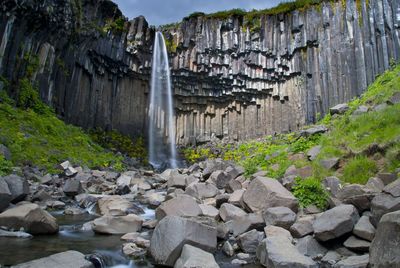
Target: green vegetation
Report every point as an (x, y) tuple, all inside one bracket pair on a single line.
[(359, 170), (310, 192), (116, 26), (5, 166), (35, 136), (117, 142), (170, 44)]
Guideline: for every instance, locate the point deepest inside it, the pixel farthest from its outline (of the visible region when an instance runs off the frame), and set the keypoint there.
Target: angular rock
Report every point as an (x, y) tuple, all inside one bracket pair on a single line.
[(212, 165), (330, 258), (332, 185), (221, 199), (289, 181), (5, 195), (355, 244), (264, 193), (72, 187), (233, 186), (310, 247), (228, 249), (236, 197), (385, 249), (229, 212), (353, 262), (279, 216), (31, 218), (330, 163), (18, 186), (383, 203), (364, 229), (395, 99), (245, 223), (220, 179), (182, 205), (177, 180), (358, 195), (375, 184), (339, 109), (173, 232), (317, 129), (393, 188), (195, 257), (114, 205), (117, 224), (387, 178), (209, 211), (278, 251), (124, 180), (202, 190), (71, 171), (335, 222), (250, 240), (132, 250), (362, 109), (314, 152), (67, 259), (302, 227)]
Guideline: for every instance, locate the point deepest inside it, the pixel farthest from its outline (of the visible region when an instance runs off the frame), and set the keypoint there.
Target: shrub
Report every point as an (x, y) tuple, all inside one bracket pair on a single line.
[(28, 98), (250, 167), (5, 166), (359, 170), (310, 192)]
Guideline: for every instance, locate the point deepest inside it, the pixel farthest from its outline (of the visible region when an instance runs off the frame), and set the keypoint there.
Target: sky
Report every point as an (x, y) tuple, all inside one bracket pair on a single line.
[(158, 12)]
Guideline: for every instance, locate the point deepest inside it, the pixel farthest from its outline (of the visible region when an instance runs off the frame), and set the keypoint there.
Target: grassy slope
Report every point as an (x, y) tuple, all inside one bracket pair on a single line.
[(350, 138)]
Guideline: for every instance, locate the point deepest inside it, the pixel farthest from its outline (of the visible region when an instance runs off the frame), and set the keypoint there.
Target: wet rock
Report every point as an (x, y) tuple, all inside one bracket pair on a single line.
[(279, 216), (114, 205), (173, 232), (310, 247), (356, 244), (154, 199), (182, 205), (4, 233), (237, 262), (364, 229), (278, 251), (150, 224), (385, 250), (18, 186), (339, 109), (264, 193), (195, 257), (302, 227), (353, 262), (228, 249), (5, 195), (250, 240), (31, 218), (330, 258), (130, 237), (132, 250), (202, 190), (72, 187), (381, 204), (67, 259), (74, 211), (117, 224), (335, 222), (393, 188), (229, 212), (245, 223), (209, 211)]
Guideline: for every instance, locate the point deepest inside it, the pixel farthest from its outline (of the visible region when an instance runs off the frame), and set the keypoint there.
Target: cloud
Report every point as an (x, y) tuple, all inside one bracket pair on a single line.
[(158, 12)]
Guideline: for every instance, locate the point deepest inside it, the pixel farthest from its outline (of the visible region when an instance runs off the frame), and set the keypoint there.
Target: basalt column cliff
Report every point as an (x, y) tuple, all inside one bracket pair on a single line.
[(230, 79)]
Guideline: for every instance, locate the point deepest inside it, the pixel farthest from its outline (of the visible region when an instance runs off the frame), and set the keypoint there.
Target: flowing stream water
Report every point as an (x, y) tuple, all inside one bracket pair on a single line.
[(162, 147)]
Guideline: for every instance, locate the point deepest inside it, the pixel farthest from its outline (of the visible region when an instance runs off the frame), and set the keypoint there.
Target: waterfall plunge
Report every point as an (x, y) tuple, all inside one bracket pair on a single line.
[(162, 147)]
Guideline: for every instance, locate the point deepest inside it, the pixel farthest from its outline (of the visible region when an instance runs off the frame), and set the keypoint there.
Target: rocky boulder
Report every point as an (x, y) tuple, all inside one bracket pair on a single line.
[(263, 193), (5, 195), (245, 223), (381, 204), (67, 259), (114, 205), (117, 224), (72, 187), (279, 216), (385, 248), (277, 250), (173, 232), (364, 229), (353, 262), (202, 190), (18, 186), (195, 257), (393, 188), (31, 218), (229, 212), (310, 247), (358, 195), (250, 240), (220, 179), (182, 205), (302, 227), (335, 222), (339, 109)]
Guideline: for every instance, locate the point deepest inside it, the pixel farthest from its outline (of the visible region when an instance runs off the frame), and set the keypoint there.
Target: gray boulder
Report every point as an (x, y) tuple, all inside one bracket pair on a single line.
[(314, 152), (356, 244), (177, 180), (310, 247), (279, 216), (335, 222), (393, 188), (330, 163), (358, 195), (202, 190), (332, 185), (182, 205), (277, 250), (5, 195), (117, 224), (229, 212), (67, 259), (72, 187), (264, 193), (250, 240), (220, 179), (381, 204), (195, 257), (302, 227), (317, 129), (353, 262), (364, 229), (236, 197), (375, 184), (339, 109), (31, 218), (245, 223), (18, 187), (4, 151), (362, 109), (173, 232), (385, 249), (387, 178), (209, 211)]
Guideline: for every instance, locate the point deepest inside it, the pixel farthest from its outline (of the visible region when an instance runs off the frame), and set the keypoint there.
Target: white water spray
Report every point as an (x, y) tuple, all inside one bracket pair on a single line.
[(162, 147)]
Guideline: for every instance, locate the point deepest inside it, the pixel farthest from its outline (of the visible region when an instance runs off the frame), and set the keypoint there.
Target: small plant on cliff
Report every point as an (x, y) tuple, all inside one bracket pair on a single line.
[(116, 26), (310, 192), (5, 166)]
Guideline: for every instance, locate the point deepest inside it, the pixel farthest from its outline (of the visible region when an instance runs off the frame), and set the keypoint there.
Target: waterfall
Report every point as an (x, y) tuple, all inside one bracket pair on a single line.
[(162, 147)]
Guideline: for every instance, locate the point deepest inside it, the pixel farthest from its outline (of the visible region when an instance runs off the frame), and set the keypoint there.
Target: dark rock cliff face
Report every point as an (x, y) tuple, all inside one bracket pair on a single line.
[(229, 82)]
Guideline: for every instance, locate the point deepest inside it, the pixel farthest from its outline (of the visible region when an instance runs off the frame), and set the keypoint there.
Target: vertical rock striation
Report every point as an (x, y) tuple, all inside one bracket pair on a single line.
[(230, 80)]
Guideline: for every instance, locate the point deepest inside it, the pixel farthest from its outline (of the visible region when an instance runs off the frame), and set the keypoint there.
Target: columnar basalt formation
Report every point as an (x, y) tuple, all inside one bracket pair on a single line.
[(230, 80)]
